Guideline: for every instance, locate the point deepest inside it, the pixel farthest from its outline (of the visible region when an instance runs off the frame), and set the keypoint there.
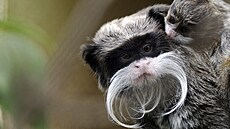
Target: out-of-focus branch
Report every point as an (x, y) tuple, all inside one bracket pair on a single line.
[(3, 9), (3, 17), (65, 72)]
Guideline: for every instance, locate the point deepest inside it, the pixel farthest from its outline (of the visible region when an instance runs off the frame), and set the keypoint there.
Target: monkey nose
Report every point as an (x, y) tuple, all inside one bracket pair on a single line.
[(142, 64), (172, 33)]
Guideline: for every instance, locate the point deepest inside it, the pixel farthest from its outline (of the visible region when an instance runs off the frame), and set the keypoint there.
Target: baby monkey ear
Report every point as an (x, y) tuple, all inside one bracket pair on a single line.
[(89, 54), (160, 9), (158, 12)]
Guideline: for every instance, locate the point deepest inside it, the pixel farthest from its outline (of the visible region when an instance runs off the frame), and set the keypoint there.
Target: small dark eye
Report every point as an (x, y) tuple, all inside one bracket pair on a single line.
[(184, 29), (125, 56), (147, 48), (171, 20)]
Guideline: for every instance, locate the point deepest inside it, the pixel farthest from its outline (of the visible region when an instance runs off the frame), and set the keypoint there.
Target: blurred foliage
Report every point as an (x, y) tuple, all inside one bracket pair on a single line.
[(24, 51), (33, 32)]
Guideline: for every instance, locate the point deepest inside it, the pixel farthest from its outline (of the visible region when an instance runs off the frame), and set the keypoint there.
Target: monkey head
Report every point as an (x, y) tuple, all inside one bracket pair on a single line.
[(137, 67)]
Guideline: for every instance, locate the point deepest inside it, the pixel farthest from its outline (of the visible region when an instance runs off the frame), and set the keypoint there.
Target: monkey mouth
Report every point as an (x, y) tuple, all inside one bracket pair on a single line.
[(144, 76), (172, 34)]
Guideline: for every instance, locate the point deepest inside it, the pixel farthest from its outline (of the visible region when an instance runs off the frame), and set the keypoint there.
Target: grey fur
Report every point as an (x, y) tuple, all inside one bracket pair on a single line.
[(203, 107), (221, 49), (114, 33), (220, 57)]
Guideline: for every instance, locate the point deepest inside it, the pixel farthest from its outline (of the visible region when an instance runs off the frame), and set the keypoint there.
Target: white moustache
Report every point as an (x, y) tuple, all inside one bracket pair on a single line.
[(145, 87)]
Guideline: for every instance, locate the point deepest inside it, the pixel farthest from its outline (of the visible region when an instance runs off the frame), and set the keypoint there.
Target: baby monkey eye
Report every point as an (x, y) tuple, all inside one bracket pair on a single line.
[(171, 20), (147, 48), (126, 56), (184, 29)]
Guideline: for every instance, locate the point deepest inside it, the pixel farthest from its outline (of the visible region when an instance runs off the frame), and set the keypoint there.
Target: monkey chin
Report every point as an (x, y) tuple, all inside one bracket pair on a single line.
[(140, 87)]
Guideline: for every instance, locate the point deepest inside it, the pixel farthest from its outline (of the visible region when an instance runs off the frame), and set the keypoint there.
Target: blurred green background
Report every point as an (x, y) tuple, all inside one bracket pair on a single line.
[(44, 83)]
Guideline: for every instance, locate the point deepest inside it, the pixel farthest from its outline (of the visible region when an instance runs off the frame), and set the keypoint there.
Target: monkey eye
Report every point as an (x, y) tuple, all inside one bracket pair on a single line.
[(126, 56), (171, 20), (147, 48), (184, 29)]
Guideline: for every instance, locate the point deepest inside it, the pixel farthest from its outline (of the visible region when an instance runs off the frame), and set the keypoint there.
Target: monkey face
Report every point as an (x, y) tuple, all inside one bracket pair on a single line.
[(138, 67), (135, 49), (122, 41)]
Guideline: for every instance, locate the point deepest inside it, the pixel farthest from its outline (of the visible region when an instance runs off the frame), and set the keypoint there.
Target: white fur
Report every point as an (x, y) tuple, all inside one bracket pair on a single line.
[(130, 97), (169, 29)]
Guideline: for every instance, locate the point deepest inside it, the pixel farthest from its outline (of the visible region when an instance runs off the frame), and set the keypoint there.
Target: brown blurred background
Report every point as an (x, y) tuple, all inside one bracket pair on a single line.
[(62, 90)]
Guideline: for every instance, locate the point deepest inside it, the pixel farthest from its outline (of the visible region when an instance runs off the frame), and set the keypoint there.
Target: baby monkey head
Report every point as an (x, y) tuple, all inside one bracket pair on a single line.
[(137, 66), (192, 20)]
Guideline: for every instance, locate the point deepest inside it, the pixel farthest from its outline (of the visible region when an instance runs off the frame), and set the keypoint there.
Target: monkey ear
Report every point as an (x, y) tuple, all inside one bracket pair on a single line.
[(89, 54), (158, 13)]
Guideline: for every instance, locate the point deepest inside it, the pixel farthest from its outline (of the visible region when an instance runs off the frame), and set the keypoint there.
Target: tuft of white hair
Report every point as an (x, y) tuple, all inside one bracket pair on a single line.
[(128, 101)]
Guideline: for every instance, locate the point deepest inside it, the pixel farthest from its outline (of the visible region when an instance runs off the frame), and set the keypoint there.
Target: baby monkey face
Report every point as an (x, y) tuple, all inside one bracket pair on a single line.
[(189, 20)]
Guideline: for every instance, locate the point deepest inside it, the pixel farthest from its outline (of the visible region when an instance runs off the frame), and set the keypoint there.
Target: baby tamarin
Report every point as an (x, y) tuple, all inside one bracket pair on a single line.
[(202, 24), (150, 80), (196, 21)]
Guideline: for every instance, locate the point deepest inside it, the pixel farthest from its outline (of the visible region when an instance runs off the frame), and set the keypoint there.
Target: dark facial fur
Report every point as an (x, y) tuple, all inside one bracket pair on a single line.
[(148, 45), (152, 82), (194, 21)]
